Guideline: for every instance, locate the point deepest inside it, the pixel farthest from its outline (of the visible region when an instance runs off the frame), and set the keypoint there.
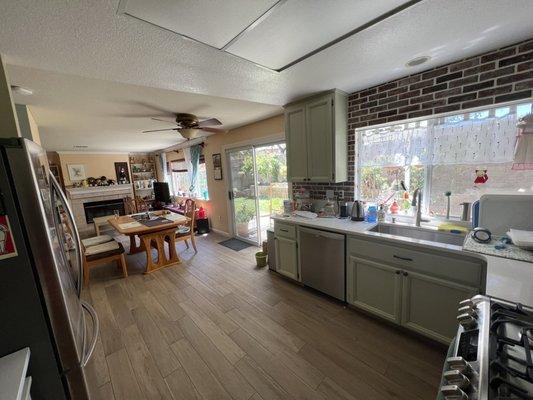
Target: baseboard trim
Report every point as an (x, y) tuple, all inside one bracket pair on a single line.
[(223, 233)]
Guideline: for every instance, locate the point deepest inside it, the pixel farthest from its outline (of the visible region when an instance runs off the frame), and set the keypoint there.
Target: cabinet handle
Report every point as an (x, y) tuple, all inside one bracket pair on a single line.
[(405, 273), (402, 258), (284, 230)]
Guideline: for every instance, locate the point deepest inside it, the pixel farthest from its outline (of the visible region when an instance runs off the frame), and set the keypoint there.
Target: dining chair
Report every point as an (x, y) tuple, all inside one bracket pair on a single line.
[(185, 232), (142, 205), (101, 250), (129, 205)]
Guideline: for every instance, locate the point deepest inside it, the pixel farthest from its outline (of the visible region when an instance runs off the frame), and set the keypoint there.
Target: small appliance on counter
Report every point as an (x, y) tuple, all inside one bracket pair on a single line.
[(358, 211), (491, 356), (501, 212)]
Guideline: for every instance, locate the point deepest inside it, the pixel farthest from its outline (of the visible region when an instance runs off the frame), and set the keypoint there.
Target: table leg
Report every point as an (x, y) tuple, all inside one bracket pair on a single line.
[(133, 245), (159, 239)]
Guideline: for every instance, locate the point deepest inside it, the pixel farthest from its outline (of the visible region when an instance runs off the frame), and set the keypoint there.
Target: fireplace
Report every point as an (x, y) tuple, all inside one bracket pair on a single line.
[(96, 209)]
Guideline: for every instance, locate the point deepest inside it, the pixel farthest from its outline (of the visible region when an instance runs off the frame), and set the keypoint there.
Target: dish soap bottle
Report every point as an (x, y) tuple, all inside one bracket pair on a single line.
[(372, 214), (381, 213)]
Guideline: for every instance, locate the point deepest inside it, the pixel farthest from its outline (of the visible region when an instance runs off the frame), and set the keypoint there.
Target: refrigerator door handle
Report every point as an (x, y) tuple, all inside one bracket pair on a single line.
[(87, 353), (76, 234)]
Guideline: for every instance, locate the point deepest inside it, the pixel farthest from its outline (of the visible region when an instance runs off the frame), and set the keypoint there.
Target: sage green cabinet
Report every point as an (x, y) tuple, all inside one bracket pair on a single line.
[(287, 257), (429, 305), (316, 133), (374, 287), (414, 287), (296, 142)]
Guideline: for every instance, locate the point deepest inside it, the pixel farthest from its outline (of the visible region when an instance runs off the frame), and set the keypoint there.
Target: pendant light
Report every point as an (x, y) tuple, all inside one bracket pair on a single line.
[(523, 154)]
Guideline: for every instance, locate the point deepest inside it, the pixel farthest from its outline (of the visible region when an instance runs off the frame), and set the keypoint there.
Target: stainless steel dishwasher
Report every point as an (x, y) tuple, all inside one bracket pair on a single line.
[(322, 261)]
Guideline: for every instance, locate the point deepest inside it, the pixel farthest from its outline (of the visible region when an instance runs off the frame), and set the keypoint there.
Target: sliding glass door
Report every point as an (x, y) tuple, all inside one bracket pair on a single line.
[(258, 177)]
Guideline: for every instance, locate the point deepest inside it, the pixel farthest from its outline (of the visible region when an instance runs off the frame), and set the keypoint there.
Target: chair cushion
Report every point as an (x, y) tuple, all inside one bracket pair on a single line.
[(93, 241), (103, 250)]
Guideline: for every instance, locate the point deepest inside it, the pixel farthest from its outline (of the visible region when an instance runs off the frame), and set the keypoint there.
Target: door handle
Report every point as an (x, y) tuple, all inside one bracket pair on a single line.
[(402, 258), (230, 195), (57, 189), (87, 353), (405, 273)]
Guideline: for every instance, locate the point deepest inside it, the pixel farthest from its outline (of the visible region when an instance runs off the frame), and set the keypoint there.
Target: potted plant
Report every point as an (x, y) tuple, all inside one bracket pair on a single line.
[(243, 215)]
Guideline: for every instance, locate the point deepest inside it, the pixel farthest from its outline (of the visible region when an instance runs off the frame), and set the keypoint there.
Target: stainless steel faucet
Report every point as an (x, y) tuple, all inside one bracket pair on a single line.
[(417, 202)]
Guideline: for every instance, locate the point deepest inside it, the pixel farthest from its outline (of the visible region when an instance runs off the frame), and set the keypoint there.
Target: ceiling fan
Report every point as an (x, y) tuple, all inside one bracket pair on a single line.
[(190, 126)]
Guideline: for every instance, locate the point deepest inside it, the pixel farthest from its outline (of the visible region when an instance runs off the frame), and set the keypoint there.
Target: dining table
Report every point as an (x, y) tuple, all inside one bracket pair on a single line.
[(153, 229)]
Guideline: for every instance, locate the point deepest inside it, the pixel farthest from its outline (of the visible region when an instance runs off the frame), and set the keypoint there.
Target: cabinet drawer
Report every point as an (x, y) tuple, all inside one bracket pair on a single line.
[(285, 230), (457, 268)]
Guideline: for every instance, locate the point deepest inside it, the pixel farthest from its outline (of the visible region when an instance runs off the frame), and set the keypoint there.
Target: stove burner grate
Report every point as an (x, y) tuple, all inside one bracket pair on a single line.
[(511, 366)]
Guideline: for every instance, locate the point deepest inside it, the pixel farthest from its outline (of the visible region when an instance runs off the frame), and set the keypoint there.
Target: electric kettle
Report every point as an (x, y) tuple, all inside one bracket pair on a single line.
[(358, 211)]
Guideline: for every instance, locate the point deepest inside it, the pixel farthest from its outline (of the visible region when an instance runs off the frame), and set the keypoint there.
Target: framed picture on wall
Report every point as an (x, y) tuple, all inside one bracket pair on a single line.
[(76, 172), (217, 166), (123, 175)]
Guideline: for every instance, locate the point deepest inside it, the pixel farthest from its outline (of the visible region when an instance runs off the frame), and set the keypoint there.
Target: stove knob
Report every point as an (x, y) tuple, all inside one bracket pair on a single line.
[(459, 364), (455, 377), (467, 321), (468, 310), (467, 303), (453, 392)]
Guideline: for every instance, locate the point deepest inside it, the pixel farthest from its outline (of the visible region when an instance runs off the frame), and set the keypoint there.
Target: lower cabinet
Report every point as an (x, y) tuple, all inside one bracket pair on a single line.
[(429, 305), (287, 257), (374, 287), (420, 302)]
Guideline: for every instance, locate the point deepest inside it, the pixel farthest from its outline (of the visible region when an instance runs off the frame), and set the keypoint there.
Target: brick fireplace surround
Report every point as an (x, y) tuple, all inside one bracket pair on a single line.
[(498, 76)]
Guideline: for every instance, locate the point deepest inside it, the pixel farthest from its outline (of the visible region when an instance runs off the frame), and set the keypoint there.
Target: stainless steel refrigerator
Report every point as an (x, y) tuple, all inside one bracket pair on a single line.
[(41, 276)]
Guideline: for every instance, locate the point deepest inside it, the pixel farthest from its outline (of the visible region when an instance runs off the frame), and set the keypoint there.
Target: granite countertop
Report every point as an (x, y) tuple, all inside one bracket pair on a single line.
[(506, 278)]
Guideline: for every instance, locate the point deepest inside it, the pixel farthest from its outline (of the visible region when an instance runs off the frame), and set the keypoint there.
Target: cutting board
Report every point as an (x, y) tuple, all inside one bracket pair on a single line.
[(500, 212)]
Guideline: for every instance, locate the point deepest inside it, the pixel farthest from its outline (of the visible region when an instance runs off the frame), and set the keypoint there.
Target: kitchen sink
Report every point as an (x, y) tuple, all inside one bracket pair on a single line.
[(413, 232)]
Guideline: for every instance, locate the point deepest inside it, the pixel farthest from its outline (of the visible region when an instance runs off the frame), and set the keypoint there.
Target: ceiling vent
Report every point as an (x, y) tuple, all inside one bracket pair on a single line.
[(417, 61)]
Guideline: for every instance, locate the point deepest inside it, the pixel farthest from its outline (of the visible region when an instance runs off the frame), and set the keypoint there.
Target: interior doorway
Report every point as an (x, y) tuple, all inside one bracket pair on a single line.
[(258, 186)]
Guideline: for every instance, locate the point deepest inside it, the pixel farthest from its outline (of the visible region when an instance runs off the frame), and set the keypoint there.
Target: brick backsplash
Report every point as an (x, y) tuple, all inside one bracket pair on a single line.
[(494, 77)]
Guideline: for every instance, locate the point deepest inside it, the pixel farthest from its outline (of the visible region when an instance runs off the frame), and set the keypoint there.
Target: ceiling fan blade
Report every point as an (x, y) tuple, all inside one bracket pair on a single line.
[(214, 130), (169, 120), (209, 122), (160, 130)]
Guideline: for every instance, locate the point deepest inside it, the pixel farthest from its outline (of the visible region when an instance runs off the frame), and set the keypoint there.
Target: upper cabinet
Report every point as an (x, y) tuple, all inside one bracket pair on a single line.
[(316, 131)]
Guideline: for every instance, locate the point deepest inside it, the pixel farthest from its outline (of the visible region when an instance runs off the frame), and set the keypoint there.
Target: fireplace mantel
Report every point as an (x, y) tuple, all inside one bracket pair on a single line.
[(98, 191)]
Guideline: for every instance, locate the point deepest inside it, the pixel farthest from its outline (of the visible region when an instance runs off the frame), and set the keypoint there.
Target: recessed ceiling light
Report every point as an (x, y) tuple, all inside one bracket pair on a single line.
[(417, 61), (21, 90)]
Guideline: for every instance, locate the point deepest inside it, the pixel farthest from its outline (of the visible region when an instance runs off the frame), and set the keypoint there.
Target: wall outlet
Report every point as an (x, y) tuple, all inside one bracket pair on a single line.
[(341, 194), (330, 194)]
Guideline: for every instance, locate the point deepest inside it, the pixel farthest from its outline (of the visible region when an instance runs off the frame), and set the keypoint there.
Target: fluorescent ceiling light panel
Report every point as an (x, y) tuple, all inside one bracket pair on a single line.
[(214, 23)]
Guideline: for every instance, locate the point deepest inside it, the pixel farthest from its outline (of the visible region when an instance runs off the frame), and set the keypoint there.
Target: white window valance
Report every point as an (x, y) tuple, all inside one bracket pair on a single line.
[(476, 138)]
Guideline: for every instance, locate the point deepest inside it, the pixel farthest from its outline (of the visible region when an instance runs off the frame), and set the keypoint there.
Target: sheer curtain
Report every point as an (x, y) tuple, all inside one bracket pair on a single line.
[(192, 159), (441, 141)]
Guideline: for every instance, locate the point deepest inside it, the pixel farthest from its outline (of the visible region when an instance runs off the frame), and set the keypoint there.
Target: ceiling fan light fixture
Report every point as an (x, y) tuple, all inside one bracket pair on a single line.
[(188, 133)]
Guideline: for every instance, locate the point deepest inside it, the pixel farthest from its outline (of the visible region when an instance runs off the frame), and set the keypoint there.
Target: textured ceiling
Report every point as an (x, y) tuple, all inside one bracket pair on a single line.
[(109, 116), (89, 39)]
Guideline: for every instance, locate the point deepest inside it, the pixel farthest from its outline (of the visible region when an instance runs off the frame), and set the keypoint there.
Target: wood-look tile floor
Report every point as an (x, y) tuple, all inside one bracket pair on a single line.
[(216, 327)]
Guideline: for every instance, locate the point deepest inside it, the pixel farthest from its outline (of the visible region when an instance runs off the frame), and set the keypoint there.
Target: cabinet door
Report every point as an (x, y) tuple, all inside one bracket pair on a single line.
[(429, 305), (319, 117), (295, 134), (287, 257), (374, 287)]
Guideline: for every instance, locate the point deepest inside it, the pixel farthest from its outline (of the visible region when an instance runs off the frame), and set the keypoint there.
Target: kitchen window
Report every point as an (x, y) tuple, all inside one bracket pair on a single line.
[(439, 155), (181, 181)]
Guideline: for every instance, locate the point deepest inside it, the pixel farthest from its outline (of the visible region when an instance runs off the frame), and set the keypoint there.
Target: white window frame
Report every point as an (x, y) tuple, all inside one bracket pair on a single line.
[(426, 192)]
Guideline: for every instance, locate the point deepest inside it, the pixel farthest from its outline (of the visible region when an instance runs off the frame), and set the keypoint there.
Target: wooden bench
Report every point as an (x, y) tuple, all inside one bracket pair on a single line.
[(102, 222)]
